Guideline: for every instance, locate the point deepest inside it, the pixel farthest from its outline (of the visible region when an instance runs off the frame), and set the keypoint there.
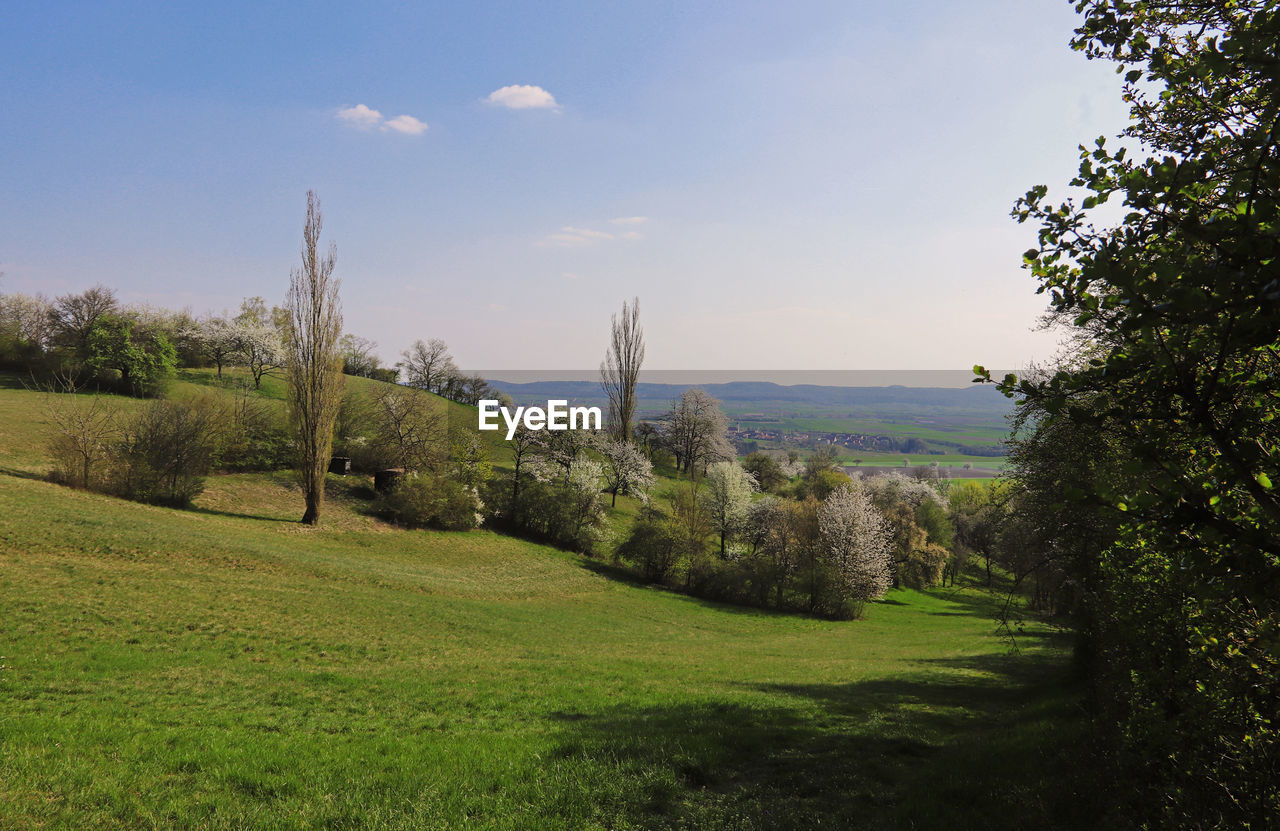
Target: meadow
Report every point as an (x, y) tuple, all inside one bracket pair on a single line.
[(225, 667)]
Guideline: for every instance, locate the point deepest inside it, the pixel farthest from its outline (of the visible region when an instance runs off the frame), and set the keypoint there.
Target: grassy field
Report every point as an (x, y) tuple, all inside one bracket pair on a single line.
[(224, 667)]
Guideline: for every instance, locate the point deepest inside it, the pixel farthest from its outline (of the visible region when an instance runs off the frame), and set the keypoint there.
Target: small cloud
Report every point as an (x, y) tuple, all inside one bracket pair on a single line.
[(496, 307), (360, 116), (630, 220), (570, 237), (632, 235), (523, 97), (569, 275), (366, 118), (406, 124)]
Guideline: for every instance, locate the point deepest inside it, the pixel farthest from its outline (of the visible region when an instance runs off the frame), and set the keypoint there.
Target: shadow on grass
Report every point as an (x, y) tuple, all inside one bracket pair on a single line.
[(18, 473), (991, 741)]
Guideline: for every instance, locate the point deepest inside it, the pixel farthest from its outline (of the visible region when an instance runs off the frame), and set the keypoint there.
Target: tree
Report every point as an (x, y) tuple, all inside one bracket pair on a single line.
[(261, 349), (427, 366), (219, 339), (620, 369), (696, 430), (728, 494), (822, 459), (82, 430), (773, 532), (409, 428), (25, 325), (358, 357), (145, 360), (312, 359), (257, 338), (522, 444), (765, 469), (856, 545), (1177, 302), (73, 315), (626, 469)]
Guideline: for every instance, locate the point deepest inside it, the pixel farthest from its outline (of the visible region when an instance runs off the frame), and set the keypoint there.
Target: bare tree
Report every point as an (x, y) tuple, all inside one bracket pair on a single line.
[(410, 427), (428, 366), (358, 356), (82, 428), (312, 357), (73, 315), (620, 369)]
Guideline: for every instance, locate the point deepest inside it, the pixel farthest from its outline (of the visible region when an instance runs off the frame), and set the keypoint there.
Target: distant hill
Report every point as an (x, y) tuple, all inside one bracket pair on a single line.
[(974, 399)]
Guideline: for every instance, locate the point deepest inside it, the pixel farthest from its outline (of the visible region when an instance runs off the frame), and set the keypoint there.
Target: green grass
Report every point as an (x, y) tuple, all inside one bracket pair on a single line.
[(225, 667)]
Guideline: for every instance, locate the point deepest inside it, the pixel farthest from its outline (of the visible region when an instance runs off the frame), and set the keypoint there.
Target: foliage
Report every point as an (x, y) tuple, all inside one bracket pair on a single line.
[(654, 545), (765, 470), (821, 484), (855, 545), (1176, 305), (626, 468), (145, 359), (430, 501), (728, 492), (253, 434)]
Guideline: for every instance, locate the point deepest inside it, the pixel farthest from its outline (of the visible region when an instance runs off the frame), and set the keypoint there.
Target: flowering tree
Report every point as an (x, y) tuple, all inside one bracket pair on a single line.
[(855, 544), (727, 497), (626, 469)]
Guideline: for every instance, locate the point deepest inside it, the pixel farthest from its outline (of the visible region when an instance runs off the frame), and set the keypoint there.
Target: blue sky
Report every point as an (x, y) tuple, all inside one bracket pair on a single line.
[(818, 185)]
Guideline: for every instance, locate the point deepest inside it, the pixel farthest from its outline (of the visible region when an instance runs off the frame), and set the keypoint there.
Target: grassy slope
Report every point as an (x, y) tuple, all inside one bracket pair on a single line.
[(227, 668)]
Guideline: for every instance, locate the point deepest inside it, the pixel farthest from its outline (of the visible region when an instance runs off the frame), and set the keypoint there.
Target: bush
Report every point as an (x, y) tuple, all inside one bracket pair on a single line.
[(254, 435), (653, 546), (428, 501), (164, 452)]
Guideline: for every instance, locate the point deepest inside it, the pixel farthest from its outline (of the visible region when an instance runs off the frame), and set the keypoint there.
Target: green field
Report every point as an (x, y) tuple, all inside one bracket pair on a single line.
[(224, 667)]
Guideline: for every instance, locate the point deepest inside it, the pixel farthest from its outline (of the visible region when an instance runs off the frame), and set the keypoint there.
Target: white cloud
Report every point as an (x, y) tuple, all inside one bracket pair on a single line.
[(406, 124), (523, 97), (366, 118), (630, 220), (573, 237), (360, 116)]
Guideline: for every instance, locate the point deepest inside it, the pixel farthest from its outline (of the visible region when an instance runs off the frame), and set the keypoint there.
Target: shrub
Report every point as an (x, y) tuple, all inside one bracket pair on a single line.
[(254, 435), (164, 452), (430, 501), (653, 546)]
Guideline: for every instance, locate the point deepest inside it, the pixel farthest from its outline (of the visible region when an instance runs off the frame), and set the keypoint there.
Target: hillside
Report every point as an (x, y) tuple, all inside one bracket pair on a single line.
[(225, 667)]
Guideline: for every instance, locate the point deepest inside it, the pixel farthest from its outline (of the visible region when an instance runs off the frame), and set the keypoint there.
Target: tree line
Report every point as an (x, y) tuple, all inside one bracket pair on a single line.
[(1146, 462)]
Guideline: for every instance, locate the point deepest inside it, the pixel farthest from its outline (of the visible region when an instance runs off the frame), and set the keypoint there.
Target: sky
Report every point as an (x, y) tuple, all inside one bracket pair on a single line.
[(799, 185)]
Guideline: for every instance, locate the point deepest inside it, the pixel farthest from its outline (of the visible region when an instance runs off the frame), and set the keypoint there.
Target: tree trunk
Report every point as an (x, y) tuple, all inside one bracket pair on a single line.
[(312, 514)]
